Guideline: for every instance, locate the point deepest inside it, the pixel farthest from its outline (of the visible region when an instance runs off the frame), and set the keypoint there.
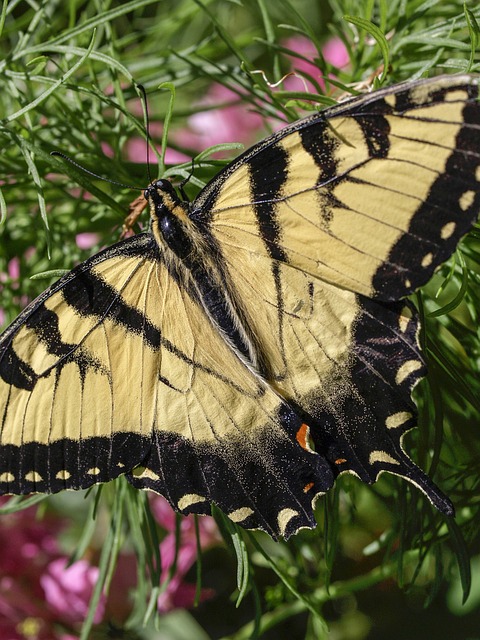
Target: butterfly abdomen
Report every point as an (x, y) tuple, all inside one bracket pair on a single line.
[(189, 247)]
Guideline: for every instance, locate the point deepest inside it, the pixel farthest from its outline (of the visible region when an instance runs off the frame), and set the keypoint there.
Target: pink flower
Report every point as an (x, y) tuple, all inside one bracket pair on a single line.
[(107, 150), (26, 544), (26, 547), (40, 597), (20, 599), (179, 593), (28, 628), (213, 124), (14, 268), (334, 52), (68, 589)]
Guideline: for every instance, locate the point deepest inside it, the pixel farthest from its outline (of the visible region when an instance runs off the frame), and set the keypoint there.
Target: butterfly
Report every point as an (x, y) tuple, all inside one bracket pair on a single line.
[(255, 343)]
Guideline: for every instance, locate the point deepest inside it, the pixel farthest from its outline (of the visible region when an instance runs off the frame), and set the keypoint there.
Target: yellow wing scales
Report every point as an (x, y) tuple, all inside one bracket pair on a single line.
[(254, 345), (363, 204), (340, 225), (146, 389)]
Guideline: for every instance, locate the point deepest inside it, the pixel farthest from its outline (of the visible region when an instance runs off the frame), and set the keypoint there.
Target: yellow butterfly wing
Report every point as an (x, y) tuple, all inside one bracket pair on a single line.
[(370, 195), (322, 228), (117, 369)]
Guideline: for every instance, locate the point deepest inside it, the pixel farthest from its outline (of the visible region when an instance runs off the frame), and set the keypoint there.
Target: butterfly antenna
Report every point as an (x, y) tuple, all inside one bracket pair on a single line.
[(91, 173), (141, 88), (184, 182)]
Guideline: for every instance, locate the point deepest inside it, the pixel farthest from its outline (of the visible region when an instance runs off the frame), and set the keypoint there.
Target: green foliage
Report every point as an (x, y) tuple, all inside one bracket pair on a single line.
[(68, 79)]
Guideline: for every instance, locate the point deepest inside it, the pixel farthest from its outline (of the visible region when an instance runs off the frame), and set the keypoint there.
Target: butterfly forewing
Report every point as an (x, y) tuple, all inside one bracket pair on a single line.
[(370, 196)]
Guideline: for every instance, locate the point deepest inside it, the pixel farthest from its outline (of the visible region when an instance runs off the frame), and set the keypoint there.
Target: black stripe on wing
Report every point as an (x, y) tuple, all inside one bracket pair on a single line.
[(68, 463), (270, 486), (87, 295), (438, 224)]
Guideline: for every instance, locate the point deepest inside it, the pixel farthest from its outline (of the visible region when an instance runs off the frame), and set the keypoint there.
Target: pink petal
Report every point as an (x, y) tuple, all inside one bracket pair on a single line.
[(68, 589), (86, 240), (336, 53)]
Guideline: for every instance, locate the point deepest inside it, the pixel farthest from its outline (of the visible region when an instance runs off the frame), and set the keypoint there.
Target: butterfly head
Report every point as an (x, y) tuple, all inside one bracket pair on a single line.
[(160, 191), (169, 215), (163, 200)]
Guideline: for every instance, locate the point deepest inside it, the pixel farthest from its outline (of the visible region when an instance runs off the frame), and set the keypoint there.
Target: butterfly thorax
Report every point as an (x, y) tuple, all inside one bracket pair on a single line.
[(184, 247), (169, 219)]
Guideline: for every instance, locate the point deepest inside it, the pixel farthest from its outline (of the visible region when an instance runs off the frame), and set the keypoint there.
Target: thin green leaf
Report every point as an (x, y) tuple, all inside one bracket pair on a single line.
[(86, 536), (378, 36), (169, 86), (53, 273), (474, 32), (20, 503), (3, 15), (243, 566), (460, 296), (3, 208), (43, 96), (463, 559)]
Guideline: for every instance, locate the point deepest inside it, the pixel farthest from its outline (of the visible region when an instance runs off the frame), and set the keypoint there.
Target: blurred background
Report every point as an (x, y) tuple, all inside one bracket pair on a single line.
[(220, 76)]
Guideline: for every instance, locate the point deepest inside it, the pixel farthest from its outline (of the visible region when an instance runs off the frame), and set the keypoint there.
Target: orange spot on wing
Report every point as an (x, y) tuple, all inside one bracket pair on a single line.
[(307, 487), (340, 460), (302, 435)]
